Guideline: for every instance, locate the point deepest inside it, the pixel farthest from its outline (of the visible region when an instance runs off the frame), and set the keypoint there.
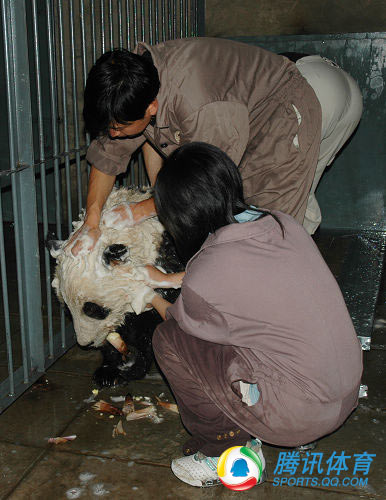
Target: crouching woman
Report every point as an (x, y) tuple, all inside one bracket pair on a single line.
[(259, 345)]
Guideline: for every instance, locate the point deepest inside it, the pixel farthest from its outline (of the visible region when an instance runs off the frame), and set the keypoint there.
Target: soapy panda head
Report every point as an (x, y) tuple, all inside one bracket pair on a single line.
[(100, 287)]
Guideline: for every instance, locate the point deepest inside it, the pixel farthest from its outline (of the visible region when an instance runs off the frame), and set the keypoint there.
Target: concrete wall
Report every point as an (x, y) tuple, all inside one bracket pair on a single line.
[(293, 17)]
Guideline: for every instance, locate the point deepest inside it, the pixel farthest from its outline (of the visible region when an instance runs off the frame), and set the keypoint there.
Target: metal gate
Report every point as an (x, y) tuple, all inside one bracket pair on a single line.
[(46, 51)]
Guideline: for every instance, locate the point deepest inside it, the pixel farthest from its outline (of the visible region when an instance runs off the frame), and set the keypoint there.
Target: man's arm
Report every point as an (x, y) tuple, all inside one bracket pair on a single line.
[(137, 212), (153, 162), (99, 188), (143, 210)]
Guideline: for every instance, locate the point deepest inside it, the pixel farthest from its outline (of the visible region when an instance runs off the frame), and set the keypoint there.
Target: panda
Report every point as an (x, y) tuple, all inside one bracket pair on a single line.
[(106, 289)]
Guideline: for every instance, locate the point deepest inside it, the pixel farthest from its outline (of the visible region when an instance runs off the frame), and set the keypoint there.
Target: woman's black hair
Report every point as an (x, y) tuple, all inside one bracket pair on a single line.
[(198, 190), (119, 88)]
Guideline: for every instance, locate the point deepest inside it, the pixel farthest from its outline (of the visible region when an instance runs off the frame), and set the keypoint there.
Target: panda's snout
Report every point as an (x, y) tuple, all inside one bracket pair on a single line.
[(116, 254)]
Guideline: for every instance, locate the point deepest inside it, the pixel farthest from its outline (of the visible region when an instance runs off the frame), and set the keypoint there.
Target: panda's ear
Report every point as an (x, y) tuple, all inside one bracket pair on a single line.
[(55, 247), (55, 286), (55, 283)]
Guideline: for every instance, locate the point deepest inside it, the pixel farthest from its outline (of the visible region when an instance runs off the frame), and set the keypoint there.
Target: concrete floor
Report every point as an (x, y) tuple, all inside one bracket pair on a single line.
[(136, 465)]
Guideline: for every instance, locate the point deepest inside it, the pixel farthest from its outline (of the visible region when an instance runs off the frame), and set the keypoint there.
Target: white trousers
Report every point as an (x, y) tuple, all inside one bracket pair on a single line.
[(341, 103)]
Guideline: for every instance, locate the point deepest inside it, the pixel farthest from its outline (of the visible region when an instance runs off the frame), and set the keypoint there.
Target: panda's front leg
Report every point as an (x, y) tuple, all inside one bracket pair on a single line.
[(118, 369), (109, 374), (134, 364)]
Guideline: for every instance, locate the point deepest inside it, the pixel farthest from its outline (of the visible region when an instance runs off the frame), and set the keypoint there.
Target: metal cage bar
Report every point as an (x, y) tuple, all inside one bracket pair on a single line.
[(156, 21), (128, 30), (23, 186), (111, 29), (151, 25), (143, 34), (7, 325), (120, 24), (84, 51), (63, 71), (93, 31), (11, 105), (102, 17), (75, 106), (43, 175), (135, 20), (55, 134), (163, 19)]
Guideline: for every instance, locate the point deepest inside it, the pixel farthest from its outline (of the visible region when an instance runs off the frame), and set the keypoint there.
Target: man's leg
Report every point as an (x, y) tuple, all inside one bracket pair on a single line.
[(341, 103), (153, 162)]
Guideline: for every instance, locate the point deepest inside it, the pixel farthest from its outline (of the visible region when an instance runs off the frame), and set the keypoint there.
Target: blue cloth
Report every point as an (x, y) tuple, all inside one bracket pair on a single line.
[(249, 215), (250, 393)]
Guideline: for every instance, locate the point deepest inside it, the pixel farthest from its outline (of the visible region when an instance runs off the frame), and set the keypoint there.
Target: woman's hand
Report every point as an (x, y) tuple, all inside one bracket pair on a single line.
[(159, 279), (129, 214), (83, 240)]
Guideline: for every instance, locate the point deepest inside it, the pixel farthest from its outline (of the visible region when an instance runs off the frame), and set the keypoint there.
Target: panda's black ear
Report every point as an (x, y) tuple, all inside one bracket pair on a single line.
[(93, 310), (117, 253), (53, 245)]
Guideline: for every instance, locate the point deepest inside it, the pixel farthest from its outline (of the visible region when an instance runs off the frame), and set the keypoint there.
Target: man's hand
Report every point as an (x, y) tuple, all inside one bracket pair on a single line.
[(86, 237), (119, 217), (129, 214), (83, 240), (159, 279)]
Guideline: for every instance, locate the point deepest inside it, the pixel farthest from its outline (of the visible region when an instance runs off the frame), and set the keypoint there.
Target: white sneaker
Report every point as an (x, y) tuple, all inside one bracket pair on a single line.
[(255, 445), (200, 470), (197, 470)]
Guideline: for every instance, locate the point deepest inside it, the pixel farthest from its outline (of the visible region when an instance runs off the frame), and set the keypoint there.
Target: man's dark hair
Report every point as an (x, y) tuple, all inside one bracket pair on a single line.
[(198, 190), (119, 88)]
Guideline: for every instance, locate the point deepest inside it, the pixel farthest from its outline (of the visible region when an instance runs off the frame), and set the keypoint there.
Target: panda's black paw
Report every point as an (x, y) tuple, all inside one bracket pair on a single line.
[(135, 366), (108, 376)]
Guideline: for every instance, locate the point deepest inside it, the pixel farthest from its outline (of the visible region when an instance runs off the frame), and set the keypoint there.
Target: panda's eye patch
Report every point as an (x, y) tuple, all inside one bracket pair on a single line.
[(95, 311), (115, 252)]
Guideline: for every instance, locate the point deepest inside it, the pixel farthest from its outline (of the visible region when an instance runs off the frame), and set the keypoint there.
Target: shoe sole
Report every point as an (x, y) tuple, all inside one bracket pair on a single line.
[(214, 482), (209, 484), (264, 477), (197, 483)]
